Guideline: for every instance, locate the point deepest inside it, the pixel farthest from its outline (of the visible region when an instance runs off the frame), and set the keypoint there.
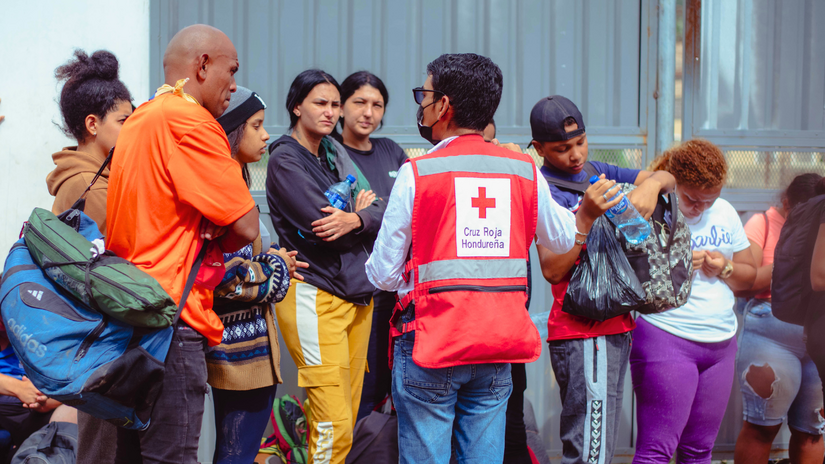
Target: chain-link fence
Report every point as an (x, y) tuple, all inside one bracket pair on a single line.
[(770, 170), (626, 158)]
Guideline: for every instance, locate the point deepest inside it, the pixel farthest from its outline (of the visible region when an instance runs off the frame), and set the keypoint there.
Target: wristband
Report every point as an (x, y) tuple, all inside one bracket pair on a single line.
[(580, 233), (579, 242)]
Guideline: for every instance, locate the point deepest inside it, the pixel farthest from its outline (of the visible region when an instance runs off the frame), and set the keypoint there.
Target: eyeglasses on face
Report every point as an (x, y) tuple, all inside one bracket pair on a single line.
[(419, 92)]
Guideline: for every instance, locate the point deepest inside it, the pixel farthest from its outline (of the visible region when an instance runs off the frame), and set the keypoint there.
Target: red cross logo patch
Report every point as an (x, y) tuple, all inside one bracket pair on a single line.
[(482, 209)]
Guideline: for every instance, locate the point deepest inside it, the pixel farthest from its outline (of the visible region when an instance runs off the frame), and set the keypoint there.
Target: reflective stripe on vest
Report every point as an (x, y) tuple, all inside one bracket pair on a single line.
[(480, 164), (472, 269)]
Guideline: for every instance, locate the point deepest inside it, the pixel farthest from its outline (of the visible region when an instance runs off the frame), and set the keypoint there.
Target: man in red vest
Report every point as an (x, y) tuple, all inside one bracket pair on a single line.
[(454, 245)]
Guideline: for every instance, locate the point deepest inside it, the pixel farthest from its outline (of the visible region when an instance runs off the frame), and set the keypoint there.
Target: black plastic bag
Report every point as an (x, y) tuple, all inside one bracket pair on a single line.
[(603, 284)]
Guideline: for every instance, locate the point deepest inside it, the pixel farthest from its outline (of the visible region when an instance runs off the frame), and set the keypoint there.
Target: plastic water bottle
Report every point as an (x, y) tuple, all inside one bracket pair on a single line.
[(625, 217), (540, 319), (339, 194)]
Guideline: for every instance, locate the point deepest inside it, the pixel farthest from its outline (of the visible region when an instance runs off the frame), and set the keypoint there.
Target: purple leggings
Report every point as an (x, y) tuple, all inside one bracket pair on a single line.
[(682, 389)]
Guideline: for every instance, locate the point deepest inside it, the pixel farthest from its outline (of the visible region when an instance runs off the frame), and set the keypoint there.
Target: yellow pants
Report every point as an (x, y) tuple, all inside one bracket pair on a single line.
[(327, 338)]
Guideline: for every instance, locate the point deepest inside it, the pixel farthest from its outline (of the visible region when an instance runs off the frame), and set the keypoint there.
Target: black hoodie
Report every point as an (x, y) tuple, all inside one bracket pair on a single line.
[(295, 184)]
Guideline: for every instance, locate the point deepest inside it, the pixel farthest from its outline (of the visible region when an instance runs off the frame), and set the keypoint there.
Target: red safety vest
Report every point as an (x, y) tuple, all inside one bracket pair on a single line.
[(473, 220)]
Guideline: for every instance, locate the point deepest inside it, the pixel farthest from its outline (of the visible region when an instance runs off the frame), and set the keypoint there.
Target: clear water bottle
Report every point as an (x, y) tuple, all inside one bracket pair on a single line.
[(540, 320), (339, 194), (625, 217)]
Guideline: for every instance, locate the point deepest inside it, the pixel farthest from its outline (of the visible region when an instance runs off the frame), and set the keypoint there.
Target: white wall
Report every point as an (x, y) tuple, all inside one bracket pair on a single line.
[(35, 38)]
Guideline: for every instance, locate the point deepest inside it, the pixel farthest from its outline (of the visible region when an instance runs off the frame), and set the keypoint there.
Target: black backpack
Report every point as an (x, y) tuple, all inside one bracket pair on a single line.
[(664, 262), (793, 300), (374, 440)]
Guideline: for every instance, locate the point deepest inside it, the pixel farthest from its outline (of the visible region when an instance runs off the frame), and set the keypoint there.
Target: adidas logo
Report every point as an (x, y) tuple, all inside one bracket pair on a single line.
[(26, 340), (37, 294)]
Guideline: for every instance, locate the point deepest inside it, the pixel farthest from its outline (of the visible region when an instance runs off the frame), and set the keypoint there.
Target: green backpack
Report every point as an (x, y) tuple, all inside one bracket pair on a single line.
[(110, 285), (95, 276), (289, 438)]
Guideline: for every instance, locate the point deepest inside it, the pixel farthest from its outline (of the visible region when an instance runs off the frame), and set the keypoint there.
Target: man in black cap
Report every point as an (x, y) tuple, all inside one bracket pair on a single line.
[(589, 357)]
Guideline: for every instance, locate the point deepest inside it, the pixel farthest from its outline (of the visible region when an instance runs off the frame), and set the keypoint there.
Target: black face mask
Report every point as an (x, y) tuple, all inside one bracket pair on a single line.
[(426, 131)]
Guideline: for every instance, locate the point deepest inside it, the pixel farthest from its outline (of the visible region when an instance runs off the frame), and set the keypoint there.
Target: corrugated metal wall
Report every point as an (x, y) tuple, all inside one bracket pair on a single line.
[(754, 86), (588, 51)]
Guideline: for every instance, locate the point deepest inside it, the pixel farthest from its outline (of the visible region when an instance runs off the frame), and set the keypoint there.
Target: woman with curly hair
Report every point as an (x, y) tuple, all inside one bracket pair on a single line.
[(94, 104), (682, 361)]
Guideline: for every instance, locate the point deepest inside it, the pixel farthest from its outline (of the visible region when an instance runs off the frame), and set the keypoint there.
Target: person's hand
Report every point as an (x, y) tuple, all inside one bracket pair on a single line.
[(645, 197), (46, 406), (698, 259), (292, 264), (2, 117), (714, 263), (28, 394), (594, 203), (336, 225), (210, 231), (364, 199), (510, 146)]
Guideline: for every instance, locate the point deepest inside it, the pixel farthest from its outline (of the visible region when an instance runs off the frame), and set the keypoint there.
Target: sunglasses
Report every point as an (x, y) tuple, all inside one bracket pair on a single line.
[(419, 92)]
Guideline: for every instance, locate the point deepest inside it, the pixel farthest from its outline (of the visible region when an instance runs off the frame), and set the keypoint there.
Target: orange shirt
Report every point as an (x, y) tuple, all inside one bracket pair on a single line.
[(171, 168), (756, 231)]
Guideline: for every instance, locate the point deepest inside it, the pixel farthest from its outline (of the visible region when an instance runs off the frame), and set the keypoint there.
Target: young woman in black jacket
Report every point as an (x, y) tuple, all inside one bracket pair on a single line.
[(325, 319)]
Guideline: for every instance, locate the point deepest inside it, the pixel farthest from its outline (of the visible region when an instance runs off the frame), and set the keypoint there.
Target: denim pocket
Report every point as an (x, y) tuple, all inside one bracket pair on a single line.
[(423, 383), (502, 380)]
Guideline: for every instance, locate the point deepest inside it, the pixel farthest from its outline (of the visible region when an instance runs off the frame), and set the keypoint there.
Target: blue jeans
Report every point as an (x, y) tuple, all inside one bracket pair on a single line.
[(240, 421), (796, 390), (465, 403)]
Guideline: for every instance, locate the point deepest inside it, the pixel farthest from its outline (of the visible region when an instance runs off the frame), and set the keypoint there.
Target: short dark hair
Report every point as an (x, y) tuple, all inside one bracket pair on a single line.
[(472, 82), (302, 86), (358, 79), (92, 87), (802, 188)]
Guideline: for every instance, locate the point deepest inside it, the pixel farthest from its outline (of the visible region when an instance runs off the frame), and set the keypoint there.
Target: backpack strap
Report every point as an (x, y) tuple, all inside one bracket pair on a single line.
[(578, 187), (767, 231), (190, 281), (80, 204), (590, 170), (674, 211)]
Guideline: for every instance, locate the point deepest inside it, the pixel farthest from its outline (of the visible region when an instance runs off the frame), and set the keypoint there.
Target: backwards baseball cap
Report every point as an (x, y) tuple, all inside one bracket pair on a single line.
[(242, 105), (547, 119)]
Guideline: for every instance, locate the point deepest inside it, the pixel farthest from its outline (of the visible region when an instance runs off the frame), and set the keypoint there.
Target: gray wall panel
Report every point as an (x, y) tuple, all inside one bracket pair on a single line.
[(588, 51), (761, 66), (754, 85)]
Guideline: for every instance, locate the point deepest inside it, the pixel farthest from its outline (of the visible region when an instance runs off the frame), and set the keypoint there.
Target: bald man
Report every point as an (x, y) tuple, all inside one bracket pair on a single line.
[(173, 184)]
